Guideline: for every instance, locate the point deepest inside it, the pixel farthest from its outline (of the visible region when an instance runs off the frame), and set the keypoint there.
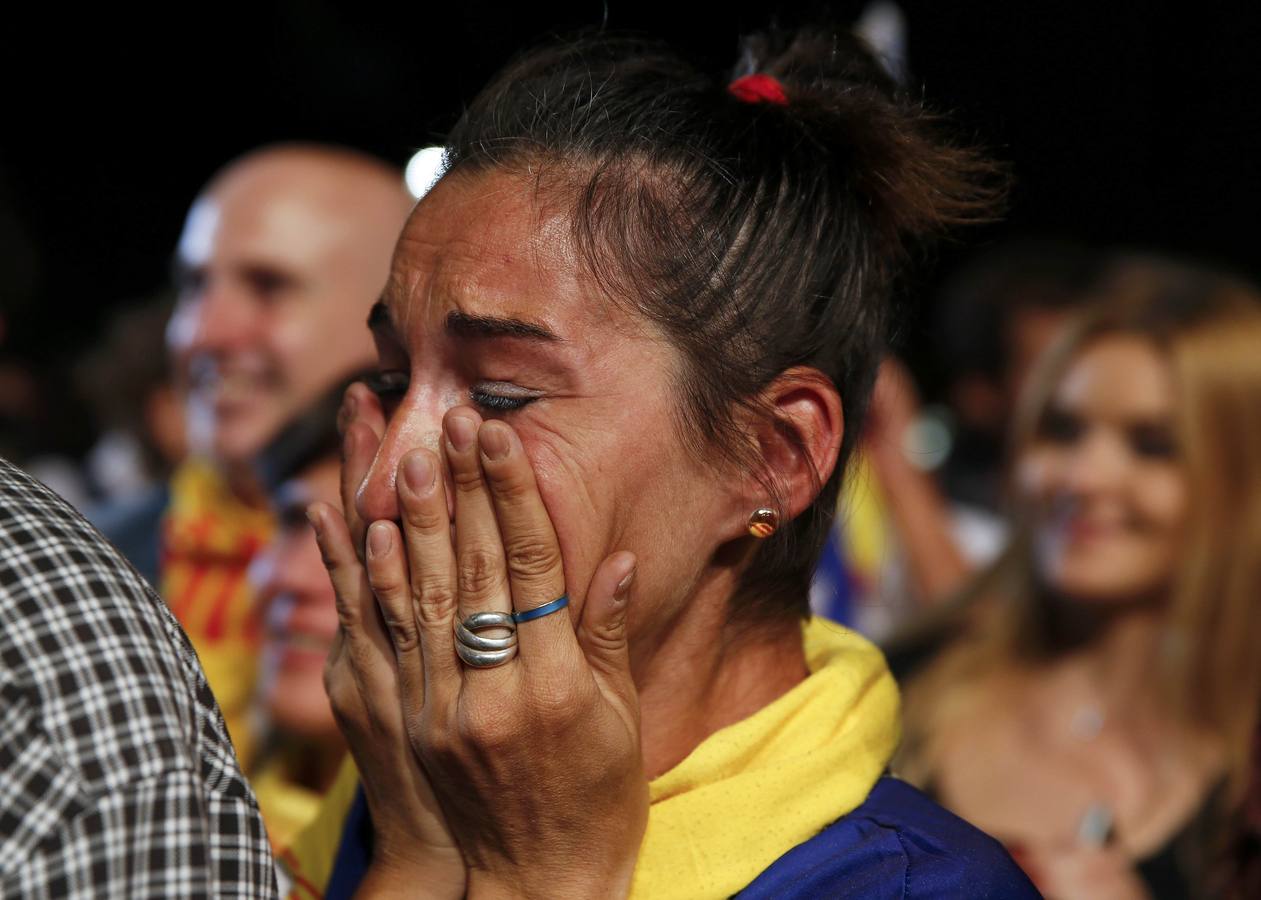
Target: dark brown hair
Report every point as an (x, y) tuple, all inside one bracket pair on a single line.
[(758, 236)]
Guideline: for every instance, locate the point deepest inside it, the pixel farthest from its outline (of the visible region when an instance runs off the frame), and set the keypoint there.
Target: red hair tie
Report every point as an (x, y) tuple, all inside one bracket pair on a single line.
[(758, 89)]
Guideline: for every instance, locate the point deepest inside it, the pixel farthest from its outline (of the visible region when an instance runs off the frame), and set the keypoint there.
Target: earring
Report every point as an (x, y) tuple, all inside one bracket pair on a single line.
[(763, 522)]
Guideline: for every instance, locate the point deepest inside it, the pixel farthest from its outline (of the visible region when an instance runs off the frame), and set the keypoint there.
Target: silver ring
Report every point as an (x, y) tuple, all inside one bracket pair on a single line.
[(480, 660), (485, 652)]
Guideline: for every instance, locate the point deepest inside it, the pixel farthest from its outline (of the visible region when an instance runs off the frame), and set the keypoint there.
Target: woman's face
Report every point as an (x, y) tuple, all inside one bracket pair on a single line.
[(488, 306), (1103, 476)]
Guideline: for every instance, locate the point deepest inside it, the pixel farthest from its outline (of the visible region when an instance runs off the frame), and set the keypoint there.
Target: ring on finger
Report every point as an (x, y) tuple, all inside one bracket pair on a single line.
[(486, 652)]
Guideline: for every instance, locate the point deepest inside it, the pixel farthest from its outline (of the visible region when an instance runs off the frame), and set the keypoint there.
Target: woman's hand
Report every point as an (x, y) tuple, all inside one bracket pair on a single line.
[(1081, 872), (536, 762), (414, 854)]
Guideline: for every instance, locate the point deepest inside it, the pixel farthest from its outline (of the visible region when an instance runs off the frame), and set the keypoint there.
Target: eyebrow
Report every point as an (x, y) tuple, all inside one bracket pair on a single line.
[(467, 325)]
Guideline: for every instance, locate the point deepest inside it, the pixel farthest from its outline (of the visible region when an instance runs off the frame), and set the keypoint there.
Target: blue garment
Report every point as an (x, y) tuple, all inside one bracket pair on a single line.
[(898, 845), (134, 526), (832, 590)]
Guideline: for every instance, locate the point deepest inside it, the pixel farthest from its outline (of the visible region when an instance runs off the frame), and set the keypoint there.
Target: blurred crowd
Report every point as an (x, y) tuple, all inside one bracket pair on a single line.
[(1061, 557)]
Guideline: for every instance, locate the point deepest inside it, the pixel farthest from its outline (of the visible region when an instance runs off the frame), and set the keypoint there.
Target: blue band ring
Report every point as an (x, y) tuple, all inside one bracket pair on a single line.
[(540, 611)]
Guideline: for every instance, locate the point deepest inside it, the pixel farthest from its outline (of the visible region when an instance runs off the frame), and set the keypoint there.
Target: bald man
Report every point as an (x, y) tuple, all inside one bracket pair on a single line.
[(281, 257)]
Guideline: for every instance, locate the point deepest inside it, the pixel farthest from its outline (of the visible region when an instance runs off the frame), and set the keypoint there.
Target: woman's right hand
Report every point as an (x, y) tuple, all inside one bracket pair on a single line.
[(1081, 872), (414, 854)]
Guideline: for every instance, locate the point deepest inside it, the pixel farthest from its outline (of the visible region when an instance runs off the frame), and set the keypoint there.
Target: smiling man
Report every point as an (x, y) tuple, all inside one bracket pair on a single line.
[(280, 259)]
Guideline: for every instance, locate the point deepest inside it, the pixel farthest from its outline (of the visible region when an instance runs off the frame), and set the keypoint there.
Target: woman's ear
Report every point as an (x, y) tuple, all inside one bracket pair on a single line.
[(799, 437)]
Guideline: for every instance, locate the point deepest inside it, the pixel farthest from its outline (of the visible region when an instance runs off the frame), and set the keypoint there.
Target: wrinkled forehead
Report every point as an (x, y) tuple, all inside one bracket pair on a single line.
[(493, 244)]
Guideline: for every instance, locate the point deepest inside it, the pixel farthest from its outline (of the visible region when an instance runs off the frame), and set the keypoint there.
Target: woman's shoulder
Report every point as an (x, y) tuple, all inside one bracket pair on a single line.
[(897, 844)]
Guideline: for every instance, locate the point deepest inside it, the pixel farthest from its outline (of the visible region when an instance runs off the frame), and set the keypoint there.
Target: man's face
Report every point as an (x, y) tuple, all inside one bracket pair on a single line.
[(277, 271)]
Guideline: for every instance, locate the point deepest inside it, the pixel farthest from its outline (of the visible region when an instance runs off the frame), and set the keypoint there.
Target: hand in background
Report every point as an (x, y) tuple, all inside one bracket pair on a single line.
[(1081, 872)]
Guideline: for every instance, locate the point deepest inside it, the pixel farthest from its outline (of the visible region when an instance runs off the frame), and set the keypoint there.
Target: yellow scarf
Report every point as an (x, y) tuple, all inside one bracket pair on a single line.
[(753, 791), (748, 793), (209, 539)]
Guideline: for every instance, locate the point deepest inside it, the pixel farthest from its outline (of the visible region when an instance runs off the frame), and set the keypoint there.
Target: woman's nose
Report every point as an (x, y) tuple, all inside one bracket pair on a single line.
[(413, 426), (1096, 463)]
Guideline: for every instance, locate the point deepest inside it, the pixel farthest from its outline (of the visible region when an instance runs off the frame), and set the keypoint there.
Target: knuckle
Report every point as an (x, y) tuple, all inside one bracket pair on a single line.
[(403, 633), (466, 480), (423, 519), (532, 556), (554, 703), (340, 694), (329, 559), (480, 571), (383, 583), (488, 725), (434, 738), (435, 603), (400, 624), (346, 616), (511, 484)]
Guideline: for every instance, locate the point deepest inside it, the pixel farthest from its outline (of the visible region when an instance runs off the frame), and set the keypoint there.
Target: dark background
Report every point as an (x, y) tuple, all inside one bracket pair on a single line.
[(1125, 123)]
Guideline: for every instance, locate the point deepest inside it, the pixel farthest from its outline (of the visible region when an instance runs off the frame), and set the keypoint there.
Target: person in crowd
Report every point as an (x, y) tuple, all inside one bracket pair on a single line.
[(139, 408), (994, 318), (117, 778), (300, 746), (623, 357), (280, 258), (913, 527), (1093, 699)]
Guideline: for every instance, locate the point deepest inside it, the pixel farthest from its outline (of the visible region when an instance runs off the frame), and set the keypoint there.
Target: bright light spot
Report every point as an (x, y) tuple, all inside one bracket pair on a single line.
[(423, 171), (929, 439)]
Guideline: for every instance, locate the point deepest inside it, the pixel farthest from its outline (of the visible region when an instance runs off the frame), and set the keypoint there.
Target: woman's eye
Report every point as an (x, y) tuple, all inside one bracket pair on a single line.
[(1059, 427), (388, 386), (501, 397), (1153, 442)]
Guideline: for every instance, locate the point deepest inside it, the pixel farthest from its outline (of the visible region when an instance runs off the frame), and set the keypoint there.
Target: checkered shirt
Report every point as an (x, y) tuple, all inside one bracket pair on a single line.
[(117, 778)]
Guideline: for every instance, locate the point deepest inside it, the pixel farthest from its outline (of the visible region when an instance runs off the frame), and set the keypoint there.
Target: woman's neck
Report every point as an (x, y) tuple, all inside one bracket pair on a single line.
[(708, 672), (1121, 660)]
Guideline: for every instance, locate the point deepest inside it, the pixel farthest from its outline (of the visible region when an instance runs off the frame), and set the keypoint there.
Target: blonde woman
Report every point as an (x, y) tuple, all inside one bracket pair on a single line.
[(1095, 706)]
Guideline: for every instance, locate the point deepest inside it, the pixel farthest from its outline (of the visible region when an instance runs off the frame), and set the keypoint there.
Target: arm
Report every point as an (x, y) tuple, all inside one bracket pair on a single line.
[(916, 505)]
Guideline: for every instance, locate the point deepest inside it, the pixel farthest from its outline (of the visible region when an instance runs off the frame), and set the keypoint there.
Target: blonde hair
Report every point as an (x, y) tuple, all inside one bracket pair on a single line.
[(1209, 329)]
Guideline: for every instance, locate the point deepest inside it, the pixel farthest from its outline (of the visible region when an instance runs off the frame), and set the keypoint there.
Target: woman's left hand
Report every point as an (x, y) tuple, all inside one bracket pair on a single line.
[(536, 762)]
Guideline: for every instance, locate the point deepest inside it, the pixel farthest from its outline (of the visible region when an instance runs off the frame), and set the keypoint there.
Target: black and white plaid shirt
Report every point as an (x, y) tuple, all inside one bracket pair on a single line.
[(117, 778)]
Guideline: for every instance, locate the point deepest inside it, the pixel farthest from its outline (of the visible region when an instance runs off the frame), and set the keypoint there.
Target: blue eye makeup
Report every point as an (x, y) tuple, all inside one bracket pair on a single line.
[(501, 397), (498, 397)]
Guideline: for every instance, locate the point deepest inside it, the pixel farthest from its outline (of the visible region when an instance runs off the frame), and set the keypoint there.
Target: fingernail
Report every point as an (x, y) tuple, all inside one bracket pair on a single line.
[(379, 539), (418, 471), (495, 442), (461, 432), (623, 587)]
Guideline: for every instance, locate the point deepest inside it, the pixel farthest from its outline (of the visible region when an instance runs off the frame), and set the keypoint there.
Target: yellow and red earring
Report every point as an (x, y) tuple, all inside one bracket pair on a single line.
[(763, 522)]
